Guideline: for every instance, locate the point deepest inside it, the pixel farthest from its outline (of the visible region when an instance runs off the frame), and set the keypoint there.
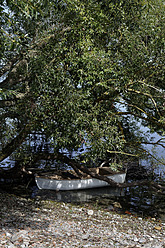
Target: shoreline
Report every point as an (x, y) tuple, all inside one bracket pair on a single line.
[(44, 223)]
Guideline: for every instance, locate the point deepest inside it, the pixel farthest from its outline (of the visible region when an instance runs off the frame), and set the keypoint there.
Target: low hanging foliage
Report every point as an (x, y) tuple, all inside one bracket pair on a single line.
[(83, 75)]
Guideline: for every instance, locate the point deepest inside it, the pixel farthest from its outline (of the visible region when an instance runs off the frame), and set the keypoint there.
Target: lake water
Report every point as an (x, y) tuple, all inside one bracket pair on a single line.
[(159, 152)]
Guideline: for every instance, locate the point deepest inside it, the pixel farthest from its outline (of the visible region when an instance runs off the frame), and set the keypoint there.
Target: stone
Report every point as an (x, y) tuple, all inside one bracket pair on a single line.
[(21, 234), (142, 240), (129, 231), (85, 236), (10, 245), (8, 234), (90, 212), (158, 228), (135, 239), (117, 205)]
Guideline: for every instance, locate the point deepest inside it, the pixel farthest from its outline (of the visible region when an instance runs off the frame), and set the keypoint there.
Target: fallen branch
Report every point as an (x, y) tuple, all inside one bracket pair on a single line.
[(81, 168)]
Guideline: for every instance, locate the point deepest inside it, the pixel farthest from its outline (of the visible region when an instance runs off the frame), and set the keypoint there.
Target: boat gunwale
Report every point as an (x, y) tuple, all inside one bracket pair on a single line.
[(76, 179)]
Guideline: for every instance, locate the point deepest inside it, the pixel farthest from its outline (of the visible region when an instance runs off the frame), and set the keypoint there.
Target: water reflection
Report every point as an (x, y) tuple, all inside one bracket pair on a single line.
[(139, 200), (78, 196)]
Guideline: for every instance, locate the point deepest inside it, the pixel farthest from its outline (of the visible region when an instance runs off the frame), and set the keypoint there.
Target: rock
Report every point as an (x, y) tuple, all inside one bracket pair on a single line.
[(25, 245), (10, 245), (90, 212), (129, 231), (158, 228), (135, 239), (19, 235), (117, 205), (158, 246), (85, 236), (142, 240), (8, 234)]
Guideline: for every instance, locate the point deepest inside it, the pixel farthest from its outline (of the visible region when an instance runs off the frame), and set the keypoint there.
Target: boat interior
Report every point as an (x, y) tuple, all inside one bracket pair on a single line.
[(71, 174)]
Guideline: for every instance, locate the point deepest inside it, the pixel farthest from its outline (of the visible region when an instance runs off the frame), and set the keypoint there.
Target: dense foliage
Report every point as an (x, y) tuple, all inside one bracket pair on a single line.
[(81, 76)]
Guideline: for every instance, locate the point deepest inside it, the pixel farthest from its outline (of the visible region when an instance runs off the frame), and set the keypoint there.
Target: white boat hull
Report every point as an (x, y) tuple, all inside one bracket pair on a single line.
[(75, 184)]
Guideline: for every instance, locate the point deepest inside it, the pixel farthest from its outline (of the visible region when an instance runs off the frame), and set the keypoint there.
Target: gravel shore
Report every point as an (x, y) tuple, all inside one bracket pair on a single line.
[(45, 224)]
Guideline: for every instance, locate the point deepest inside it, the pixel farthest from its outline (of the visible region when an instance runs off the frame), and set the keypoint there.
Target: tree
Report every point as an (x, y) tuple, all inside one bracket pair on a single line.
[(82, 76)]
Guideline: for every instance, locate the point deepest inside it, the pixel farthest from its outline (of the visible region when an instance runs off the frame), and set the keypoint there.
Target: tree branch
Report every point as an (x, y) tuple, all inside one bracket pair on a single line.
[(81, 168), (145, 94), (13, 77), (123, 153), (84, 169), (8, 67), (15, 143)]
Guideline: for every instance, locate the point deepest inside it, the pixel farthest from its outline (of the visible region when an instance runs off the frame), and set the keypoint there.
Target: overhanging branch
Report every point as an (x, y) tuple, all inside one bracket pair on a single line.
[(123, 153), (9, 66), (13, 77), (15, 143), (82, 168), (148, 95)]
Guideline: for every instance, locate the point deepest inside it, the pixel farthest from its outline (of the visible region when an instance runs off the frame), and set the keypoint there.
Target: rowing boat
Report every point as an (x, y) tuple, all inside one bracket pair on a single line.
[(67, 180)]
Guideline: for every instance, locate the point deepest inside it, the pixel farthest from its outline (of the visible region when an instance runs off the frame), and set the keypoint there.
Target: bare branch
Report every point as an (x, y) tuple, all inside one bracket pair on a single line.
[(123, 153), (150, 86), (148, 95), (150, 155), (157, 143)]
